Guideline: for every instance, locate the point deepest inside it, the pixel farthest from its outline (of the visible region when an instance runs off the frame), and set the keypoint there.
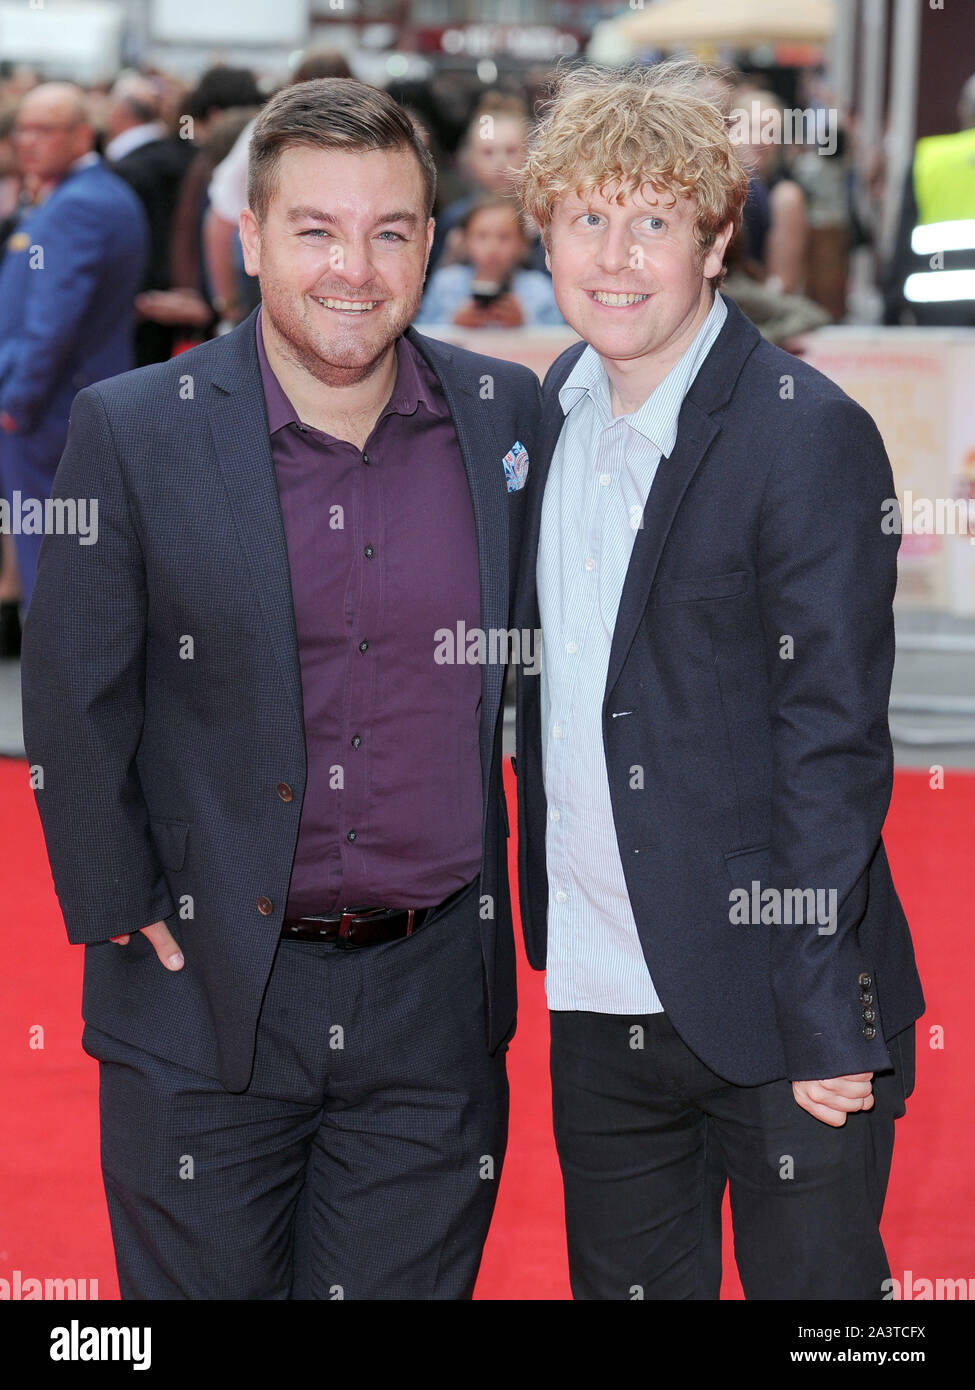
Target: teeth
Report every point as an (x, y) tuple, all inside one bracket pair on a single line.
[(353, 305), (616, 301)]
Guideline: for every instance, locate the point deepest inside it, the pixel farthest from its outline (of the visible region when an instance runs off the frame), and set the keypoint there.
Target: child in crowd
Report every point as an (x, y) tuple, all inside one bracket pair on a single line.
[(492, 289)]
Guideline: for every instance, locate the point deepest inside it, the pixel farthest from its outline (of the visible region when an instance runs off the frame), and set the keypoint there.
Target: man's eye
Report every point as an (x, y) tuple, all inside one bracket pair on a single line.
[(397, 235), (591, 219), (657, 220), (315, 232)]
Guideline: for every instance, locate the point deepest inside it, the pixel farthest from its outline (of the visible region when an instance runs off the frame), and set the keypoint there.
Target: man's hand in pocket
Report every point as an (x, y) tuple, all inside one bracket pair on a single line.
[(163, 943)]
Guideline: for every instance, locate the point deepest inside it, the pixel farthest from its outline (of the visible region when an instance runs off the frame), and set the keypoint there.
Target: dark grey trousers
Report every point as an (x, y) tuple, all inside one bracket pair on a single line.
[(363, 1160), (648, 1137)]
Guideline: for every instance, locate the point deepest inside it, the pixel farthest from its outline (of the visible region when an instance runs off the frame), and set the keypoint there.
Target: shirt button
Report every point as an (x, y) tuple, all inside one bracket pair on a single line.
[(604, 480), (571, 648), (561, 897), (590, 564), (285, 792), (555, 815), (557, 731), (350, 836), (365, 458), (265, 906), (356, 740), (369, 552), (363, 645)]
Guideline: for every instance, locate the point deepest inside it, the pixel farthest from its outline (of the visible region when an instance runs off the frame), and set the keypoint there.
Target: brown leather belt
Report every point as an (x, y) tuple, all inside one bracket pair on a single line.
[(365, 926), (356, 926)]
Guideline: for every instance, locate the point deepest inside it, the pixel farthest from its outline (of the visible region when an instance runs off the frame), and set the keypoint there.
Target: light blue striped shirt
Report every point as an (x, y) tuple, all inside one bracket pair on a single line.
[(598, 484)]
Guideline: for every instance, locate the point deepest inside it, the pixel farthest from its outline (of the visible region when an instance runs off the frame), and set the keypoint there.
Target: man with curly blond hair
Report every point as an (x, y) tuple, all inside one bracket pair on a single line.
[(704, 766)]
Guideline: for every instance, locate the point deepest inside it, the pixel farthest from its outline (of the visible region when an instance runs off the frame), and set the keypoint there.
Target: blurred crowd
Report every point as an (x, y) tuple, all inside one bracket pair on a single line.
[(130, 193)]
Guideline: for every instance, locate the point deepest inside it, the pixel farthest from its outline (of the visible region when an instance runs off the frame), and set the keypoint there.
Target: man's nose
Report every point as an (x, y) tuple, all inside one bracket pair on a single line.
[(354, 264), (613, 252)]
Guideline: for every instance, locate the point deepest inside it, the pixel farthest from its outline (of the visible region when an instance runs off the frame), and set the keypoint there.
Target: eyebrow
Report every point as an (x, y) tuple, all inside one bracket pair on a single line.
[(311, 214)]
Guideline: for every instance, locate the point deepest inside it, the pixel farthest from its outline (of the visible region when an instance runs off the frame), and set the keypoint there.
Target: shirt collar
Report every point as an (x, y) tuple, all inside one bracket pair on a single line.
[(85, 161), (657, 417), (409, 390), (133, 139)]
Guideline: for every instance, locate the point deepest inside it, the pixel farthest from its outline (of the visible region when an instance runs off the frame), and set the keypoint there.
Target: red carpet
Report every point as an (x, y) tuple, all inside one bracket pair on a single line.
[(53, 1221)]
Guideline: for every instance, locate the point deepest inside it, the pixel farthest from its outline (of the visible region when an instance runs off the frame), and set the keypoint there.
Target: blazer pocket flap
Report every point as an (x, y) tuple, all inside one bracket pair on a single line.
[(170, 838), (691, 590), (747, 866)]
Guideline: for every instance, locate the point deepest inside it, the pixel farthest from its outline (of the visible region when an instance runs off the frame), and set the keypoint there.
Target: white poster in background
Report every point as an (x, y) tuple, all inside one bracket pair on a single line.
[(277, 22), (78, 41), (917, 385)]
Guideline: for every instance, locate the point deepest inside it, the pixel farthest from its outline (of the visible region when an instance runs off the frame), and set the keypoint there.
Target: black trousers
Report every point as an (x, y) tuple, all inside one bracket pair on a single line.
[(648, 1137), (363, 1160)]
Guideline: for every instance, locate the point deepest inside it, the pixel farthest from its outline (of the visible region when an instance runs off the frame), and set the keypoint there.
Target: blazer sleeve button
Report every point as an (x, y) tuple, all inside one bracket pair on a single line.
[(864, 980), (869, 1032)]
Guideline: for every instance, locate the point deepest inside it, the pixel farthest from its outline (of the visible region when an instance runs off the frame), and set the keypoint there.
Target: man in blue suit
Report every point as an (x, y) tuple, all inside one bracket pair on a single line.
[(272, 789), (704, 767), (72, 268)]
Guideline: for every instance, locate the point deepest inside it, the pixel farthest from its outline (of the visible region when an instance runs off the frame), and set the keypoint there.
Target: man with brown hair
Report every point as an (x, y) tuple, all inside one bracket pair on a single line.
[(272, 804), (704, 766)]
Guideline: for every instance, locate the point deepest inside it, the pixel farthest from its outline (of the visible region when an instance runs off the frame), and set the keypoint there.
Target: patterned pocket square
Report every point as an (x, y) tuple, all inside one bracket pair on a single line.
[(516, 466)]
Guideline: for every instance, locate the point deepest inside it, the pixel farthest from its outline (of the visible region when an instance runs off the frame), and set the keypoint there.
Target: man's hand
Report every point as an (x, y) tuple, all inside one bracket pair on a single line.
[(831, 1101), (505, 311), (163, 943)]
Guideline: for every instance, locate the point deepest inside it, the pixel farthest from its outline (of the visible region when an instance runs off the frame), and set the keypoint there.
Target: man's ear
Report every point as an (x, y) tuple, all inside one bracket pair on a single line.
[(250, 240), (714, 259), (548, 260), (431, 225)]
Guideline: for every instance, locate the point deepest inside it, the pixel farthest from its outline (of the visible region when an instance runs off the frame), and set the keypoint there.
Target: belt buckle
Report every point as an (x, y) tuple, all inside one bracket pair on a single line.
[(346, 925)]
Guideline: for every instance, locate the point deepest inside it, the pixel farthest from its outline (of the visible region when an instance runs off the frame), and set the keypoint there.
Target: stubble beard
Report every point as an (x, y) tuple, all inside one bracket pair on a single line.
[(340, 367)]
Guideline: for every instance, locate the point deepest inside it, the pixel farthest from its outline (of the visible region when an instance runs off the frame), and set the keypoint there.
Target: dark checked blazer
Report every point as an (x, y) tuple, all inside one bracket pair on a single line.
[(160, 775), (764, 523)]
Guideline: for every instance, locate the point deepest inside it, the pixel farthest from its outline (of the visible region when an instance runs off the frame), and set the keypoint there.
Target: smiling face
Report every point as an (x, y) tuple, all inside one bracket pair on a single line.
[(341, 256), (630, 277)]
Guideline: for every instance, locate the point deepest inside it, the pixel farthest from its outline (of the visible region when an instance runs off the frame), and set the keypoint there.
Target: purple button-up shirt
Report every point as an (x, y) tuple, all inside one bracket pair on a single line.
[(383, 552)]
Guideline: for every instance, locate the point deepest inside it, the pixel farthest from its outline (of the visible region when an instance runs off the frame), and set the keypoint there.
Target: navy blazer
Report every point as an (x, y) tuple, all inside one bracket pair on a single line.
[(764, 760), (72, 269), (160, 774)]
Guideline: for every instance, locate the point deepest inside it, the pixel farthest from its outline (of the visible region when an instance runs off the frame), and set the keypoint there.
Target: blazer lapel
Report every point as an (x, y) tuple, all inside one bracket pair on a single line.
[(694, 435), (710, 390), (482, 452), (238, 422)]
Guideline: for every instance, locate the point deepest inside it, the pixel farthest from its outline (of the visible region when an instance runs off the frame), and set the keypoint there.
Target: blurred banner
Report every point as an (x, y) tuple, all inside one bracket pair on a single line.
[(917, 385)]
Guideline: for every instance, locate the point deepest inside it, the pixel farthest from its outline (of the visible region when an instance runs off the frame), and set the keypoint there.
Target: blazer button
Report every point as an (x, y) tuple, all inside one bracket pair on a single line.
[(869, 1031), (265, 906), (285, 792), (864, 980)]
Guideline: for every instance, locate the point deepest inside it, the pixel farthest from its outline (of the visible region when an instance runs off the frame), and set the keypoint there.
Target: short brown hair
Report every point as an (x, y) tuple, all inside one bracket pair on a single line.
[(331, 113), (655, 126)]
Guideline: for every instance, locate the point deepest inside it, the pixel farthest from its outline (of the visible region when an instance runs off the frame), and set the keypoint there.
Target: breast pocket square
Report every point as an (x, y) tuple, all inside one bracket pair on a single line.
[(516, 466)]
